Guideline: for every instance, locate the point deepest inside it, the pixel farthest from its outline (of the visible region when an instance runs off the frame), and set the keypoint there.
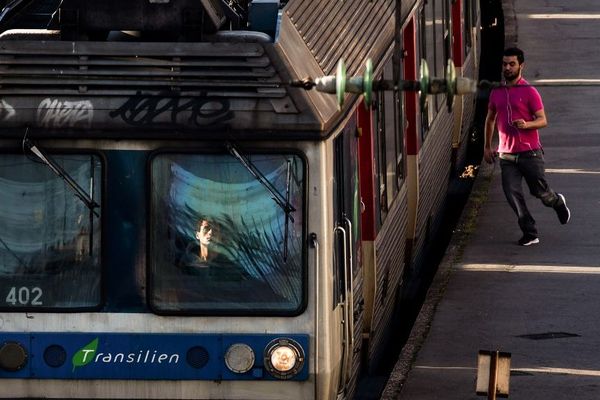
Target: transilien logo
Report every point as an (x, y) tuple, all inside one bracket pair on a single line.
[(85, 355)]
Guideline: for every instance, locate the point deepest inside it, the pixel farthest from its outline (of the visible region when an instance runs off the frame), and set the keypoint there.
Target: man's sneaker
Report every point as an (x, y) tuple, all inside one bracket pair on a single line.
[(528, 240), (563, 212)]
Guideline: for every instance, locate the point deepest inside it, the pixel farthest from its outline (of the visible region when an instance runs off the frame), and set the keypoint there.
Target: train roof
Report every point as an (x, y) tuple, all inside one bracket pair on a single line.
[(96, 77)]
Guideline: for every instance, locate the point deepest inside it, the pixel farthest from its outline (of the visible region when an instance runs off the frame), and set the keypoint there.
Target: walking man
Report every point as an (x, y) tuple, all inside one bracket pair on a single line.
[(517, 109)]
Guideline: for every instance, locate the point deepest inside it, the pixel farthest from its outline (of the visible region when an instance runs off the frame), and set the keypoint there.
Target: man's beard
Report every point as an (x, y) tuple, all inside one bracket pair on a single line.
[(510, 76)]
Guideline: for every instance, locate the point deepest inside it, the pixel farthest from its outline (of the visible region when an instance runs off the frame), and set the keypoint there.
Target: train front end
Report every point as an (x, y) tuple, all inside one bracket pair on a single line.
[(112, 297), (176, 220)]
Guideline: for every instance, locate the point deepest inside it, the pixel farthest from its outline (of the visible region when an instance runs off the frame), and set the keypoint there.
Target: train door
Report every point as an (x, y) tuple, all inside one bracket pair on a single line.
[(347, 251)]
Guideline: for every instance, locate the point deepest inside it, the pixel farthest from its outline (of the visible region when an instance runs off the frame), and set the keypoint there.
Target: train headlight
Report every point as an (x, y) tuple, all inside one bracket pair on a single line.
[(239, 358), (284, 358)]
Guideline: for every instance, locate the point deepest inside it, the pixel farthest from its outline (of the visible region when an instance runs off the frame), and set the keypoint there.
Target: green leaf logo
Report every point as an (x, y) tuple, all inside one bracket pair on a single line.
[(85, 355)]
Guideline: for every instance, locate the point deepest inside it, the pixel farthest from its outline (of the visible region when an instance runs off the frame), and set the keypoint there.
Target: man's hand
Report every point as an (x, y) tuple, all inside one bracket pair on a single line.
[(489, 155), (520, 124)]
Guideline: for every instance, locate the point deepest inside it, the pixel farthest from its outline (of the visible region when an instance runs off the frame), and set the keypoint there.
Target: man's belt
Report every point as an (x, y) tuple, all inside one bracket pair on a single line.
[(514, 157)]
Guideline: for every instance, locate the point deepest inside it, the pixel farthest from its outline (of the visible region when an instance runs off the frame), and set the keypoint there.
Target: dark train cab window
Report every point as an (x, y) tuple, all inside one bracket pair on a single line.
[(49, 236), (227, 234)]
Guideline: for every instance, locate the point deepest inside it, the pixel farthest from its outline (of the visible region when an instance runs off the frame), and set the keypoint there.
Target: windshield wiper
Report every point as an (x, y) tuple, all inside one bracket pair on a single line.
[(12, 253), (64, 175), (288, 182), (278, 198)]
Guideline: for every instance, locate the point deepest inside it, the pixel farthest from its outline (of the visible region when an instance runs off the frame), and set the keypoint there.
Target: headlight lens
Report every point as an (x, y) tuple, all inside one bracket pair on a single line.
[(239, 358), (284, 358)]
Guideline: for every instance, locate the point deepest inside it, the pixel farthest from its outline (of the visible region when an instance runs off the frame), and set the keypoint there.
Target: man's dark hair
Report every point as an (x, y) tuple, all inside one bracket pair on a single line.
[(515, 51)]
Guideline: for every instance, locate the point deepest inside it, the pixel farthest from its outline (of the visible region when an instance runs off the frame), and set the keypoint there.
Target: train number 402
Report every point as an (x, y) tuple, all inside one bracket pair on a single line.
[(24, 296)]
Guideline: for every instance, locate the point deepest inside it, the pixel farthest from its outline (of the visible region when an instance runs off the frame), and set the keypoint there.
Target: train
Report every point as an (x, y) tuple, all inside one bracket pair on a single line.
[(178, 220)]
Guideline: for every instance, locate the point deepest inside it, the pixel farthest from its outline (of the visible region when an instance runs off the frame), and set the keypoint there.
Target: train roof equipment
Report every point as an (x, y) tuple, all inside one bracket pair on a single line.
[(227, 77)]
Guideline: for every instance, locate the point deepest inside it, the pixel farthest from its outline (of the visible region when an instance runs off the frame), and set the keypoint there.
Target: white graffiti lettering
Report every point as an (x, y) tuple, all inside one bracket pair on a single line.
[(53, 113), (6, 111)]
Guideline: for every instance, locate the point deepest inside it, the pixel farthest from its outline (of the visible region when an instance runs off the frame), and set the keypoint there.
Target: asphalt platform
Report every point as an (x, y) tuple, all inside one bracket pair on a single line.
[(540, 304)]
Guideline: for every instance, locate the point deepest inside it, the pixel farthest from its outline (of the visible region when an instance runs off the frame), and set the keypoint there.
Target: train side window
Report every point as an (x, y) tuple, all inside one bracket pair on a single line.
[(227, 234), (471, 20), (339, 293), (468, 6), (391, 138), (49, 237), (427, 53), (447, 35), (440, 34), (346, 210), (380, 111), (435, 44), (389, 142), (399, 118)]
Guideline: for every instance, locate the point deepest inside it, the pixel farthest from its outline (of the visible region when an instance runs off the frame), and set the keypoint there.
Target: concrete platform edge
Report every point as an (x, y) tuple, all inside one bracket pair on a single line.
[(453, 256)]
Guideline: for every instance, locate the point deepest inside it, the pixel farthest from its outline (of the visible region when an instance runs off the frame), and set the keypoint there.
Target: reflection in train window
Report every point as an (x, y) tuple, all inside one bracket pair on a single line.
[(49, 232), (227, 233)]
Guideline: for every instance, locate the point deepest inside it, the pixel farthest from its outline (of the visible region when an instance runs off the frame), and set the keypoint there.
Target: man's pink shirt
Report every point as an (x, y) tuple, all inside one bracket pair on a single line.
[(511, 103)]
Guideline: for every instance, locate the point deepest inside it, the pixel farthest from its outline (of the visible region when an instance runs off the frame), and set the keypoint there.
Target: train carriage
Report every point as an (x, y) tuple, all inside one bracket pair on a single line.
[(177, 220)]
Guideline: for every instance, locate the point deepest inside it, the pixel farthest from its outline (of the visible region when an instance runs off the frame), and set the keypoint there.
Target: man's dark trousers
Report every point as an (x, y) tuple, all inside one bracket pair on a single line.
[(528, 165)]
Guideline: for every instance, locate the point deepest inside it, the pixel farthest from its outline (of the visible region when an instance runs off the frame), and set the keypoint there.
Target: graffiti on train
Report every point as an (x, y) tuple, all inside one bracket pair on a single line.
[(7, 111), (54, 113), (169, 107)]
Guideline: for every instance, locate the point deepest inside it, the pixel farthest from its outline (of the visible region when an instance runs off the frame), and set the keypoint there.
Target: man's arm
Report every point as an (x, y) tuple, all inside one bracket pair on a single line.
[(490, 123), (539, 121)]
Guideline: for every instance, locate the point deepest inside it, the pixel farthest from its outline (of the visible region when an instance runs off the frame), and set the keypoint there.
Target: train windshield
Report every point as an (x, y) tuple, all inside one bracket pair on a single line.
[(49, 237), (227, 233)]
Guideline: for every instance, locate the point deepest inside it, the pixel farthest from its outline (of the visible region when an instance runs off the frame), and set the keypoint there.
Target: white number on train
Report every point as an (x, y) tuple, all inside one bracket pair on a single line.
[(24, 296)]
